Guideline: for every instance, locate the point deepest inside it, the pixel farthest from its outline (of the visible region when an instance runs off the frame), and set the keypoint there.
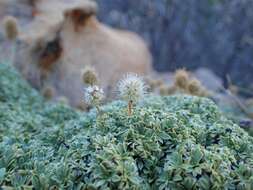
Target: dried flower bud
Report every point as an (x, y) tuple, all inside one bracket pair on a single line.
[(158, 82), (194, 87), (89, 76), (163, 90), (204, 92), (11, 27), (172, 90), (48, 92), (181, 78)]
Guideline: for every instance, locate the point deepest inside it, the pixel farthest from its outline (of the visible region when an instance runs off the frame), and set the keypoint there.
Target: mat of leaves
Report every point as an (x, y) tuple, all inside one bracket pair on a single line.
[(176, 142)]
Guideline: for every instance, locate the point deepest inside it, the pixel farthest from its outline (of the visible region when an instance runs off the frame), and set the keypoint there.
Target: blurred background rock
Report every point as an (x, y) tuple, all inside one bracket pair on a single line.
[(217, 34)]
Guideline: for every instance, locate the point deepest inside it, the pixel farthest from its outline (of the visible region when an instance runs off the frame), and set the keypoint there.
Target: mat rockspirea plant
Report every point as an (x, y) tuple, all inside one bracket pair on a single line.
[(175, 142)]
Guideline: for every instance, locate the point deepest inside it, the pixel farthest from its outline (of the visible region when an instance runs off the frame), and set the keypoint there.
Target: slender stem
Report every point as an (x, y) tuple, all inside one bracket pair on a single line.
[(13, 53), (130, 107), (98, 109)]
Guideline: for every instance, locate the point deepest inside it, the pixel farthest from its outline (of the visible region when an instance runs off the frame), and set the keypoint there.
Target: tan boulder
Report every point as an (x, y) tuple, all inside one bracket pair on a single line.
[(65, 37)]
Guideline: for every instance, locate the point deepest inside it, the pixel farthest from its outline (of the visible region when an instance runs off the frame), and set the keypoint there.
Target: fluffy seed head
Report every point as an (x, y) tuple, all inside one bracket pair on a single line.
[(89, 76), (132, 88), (93, 95), (11, 27), (181, 78), (194, 87)]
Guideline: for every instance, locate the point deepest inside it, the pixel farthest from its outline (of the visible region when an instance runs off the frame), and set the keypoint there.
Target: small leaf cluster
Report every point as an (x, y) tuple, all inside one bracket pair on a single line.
[(174, 142)]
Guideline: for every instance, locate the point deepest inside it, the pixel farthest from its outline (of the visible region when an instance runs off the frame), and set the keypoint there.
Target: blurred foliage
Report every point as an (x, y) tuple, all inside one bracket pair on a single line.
[(217, 34), (174, 142)]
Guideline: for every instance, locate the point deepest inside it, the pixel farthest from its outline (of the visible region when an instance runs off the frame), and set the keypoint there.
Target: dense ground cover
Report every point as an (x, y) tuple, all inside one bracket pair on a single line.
[(174, 142)]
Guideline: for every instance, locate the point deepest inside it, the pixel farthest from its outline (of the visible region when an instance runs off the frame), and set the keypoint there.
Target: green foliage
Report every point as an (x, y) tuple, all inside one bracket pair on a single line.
[(177, 142)]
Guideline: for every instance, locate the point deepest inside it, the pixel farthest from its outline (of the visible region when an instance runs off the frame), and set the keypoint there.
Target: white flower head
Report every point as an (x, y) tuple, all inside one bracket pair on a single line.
[(132, 88), (93, 95)]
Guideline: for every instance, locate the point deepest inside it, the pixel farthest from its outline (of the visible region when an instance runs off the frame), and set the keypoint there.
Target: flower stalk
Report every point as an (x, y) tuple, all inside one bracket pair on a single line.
[(130, 107)]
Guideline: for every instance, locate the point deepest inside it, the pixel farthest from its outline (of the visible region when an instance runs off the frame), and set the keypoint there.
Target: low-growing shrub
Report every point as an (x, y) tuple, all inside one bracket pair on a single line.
[(176, 142)]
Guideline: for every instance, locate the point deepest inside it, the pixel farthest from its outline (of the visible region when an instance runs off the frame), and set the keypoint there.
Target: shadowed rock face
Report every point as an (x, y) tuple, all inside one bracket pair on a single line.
[(215, 34), (63, 38)]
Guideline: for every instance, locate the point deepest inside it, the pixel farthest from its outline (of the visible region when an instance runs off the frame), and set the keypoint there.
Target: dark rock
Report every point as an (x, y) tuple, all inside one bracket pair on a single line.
[(214, 34)]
